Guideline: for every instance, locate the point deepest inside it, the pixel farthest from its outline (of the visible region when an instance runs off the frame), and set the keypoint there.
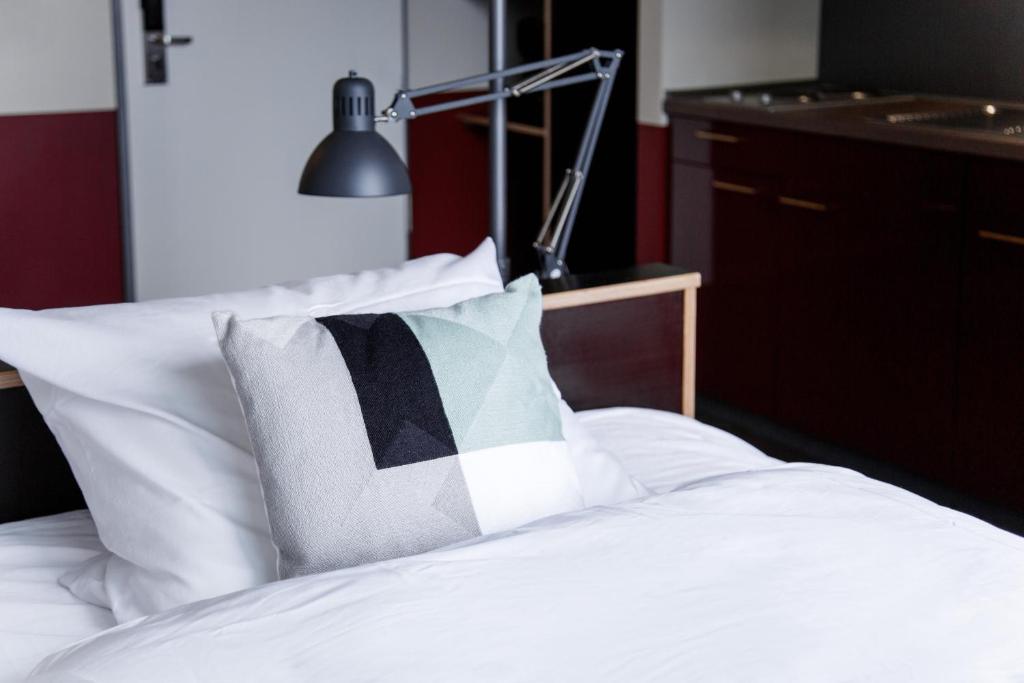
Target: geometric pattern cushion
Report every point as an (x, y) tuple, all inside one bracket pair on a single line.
[(384, 435)]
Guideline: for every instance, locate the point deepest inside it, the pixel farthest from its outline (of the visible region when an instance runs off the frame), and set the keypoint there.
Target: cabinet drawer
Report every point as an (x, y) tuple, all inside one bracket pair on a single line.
[(725, 145), (994, 188), (990, 366), (841, 172), (705, 199), (996, 203)]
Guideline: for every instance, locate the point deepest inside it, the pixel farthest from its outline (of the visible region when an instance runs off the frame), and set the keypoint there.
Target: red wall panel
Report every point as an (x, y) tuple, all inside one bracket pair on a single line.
[(59, 212), (652, 191), (448, 169)]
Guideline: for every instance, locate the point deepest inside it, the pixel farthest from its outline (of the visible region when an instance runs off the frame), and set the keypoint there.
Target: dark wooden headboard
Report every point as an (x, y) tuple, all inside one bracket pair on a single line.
[(35, 478), (624, 338)]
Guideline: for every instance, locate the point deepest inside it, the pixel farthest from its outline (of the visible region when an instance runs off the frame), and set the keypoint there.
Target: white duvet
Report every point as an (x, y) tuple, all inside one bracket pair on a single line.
[(37, 615), (789, 573)]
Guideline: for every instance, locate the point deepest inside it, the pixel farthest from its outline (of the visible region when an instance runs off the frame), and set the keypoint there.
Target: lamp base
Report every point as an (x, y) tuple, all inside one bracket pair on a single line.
[(551, 267)]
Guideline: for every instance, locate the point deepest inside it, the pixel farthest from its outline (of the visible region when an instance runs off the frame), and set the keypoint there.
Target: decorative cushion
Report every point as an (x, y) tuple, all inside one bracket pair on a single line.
[(379, 436)]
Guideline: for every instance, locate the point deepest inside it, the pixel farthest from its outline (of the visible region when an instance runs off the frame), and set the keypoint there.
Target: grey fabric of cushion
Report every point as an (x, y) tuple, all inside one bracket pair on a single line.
[(351, 417)]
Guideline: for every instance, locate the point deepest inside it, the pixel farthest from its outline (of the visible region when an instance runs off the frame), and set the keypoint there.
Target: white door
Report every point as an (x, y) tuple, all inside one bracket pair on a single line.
[(215, 154)]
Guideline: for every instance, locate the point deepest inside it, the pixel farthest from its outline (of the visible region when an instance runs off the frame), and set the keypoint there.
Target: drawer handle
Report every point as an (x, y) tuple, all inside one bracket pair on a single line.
[(802, 204), (1001, 237), (733, 187), (715, 137)]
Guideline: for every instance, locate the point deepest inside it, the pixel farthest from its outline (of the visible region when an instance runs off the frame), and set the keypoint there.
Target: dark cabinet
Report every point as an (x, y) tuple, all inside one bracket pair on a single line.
[(893, 275), (723, 189), (989, 454), (834, 279), (813, 328), (900, 300), (727, 210), (867, 287)]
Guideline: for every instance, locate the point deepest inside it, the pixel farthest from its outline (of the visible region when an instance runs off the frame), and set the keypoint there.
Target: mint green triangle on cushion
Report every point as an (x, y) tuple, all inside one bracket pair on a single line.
[(494, 315), (464, 363), (490, 368), (519, 407)]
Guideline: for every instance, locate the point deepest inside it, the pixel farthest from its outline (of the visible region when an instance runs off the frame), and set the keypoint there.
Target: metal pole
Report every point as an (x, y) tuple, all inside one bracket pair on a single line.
[(498, 141), (123, 169)]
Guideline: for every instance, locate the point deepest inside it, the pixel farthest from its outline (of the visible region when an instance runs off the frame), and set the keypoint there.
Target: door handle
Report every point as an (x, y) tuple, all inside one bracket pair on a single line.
[(167, 40), (156, 41)]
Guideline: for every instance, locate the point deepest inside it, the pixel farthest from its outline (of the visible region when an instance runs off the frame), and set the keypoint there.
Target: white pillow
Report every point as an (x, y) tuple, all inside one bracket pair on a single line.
[(602, 478), (142, 405)]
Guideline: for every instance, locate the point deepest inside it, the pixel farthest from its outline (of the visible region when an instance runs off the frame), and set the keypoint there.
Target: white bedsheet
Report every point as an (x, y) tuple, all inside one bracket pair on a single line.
[(664, 450), (773, 572), (37, 615)]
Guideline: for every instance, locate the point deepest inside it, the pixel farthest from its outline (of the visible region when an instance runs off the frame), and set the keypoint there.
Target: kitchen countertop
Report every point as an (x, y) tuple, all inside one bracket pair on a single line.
[(863, 120)]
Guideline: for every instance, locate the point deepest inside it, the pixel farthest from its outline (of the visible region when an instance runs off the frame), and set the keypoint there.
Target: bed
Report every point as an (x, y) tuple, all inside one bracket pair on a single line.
[(736, 567), (785, 586), (40, 617)]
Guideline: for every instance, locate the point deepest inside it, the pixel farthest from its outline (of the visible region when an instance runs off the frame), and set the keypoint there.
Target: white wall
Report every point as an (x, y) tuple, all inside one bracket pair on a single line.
[(707, 43), (448, 39), (55, 56), (650, 87), (216, 153)]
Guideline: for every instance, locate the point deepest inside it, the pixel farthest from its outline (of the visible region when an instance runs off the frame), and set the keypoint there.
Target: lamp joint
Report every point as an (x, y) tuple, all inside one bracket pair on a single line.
[(401, 108)]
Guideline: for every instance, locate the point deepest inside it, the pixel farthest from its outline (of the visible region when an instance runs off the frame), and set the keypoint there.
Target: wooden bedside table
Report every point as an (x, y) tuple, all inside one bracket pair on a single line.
[(624, 338)]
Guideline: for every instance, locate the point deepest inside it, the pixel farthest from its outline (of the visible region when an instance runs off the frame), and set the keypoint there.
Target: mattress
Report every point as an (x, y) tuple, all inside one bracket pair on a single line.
[(37, 615)]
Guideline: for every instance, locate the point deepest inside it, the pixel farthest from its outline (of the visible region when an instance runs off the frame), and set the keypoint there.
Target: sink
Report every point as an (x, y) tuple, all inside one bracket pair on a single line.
[(984, 118)]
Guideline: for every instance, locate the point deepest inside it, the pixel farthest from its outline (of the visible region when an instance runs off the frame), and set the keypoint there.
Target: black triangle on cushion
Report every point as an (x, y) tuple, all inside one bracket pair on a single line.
[(362, 321), (411, 439), (402, 409)]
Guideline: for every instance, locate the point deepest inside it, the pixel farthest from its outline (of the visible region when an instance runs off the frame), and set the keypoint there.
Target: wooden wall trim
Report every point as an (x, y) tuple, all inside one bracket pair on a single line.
[(619, 291)]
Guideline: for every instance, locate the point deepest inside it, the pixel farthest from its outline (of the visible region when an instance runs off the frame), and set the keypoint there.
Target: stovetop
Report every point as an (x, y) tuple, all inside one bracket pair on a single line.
[(792, 96), (986, 119), (965, 125)]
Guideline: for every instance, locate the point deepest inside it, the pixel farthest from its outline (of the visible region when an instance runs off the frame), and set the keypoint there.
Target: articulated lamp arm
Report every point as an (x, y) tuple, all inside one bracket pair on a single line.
[(553, 239)]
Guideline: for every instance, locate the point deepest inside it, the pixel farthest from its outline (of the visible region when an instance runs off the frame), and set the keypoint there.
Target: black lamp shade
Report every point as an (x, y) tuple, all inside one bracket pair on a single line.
[(354, 160), (354, 164)]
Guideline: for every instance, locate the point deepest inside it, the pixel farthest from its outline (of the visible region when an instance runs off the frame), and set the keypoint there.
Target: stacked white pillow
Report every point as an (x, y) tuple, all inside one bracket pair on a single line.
[(142, 405)]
